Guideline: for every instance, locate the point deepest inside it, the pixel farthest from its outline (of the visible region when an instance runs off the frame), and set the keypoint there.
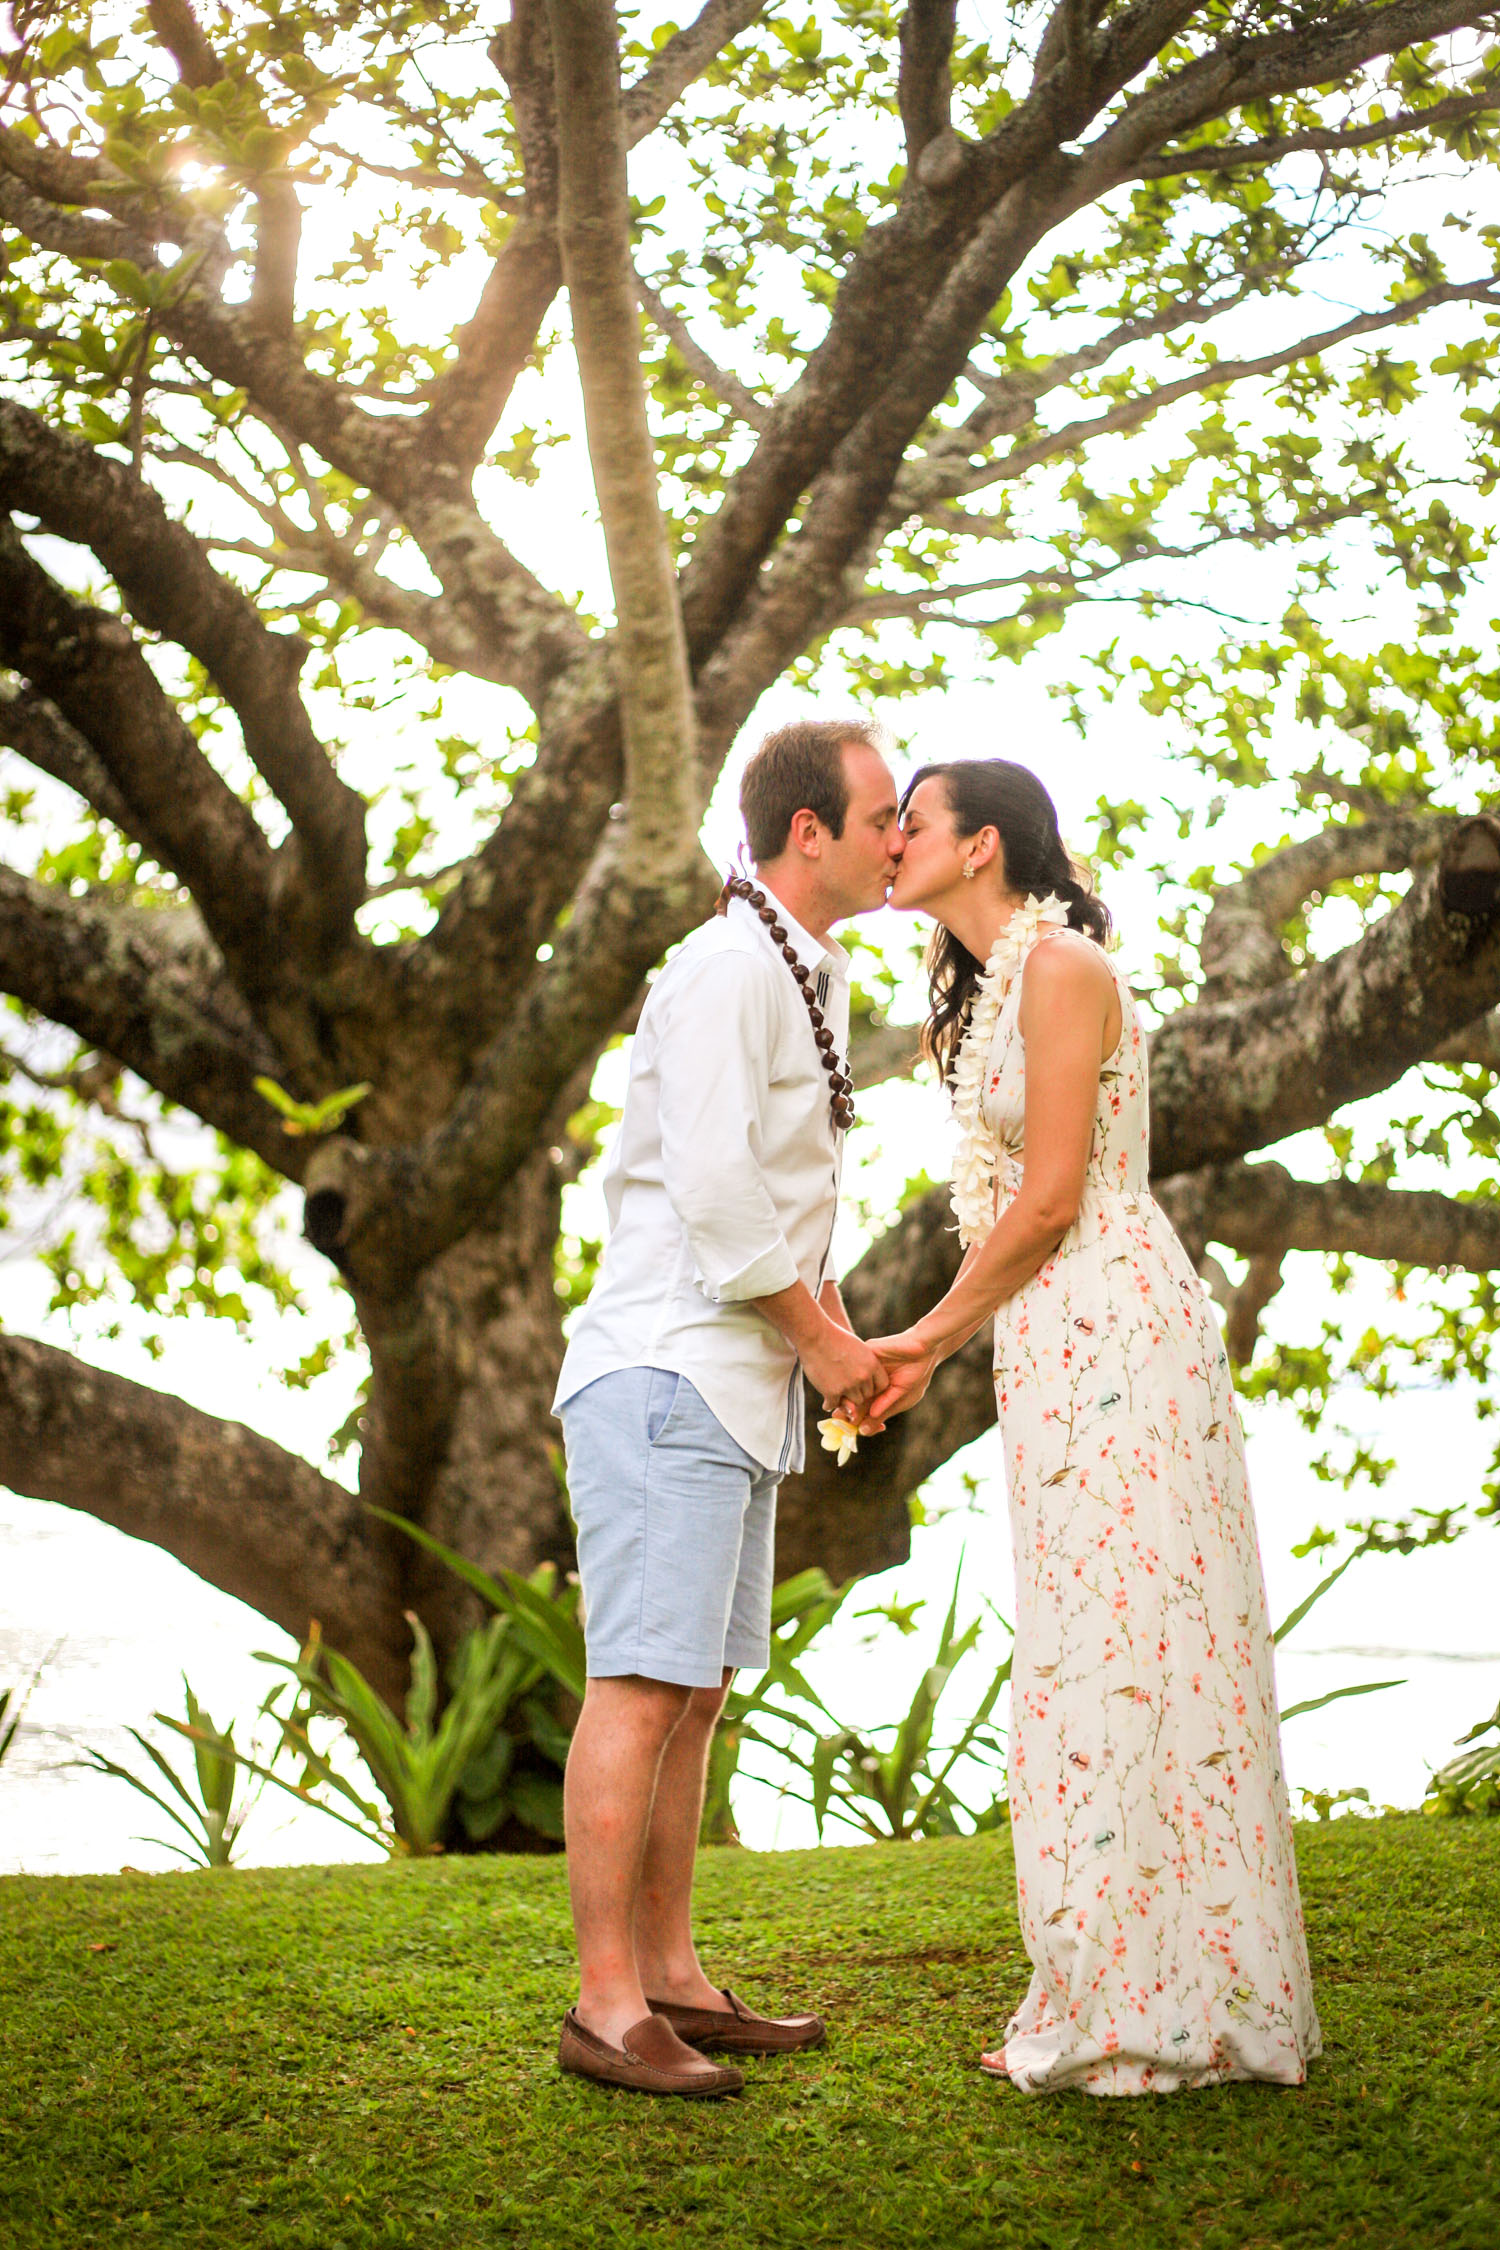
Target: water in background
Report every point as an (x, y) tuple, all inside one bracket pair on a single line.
[(129, 1620)]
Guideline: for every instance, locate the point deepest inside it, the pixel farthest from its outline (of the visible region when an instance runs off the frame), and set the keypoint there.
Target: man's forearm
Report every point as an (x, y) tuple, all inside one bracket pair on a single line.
[(833, 1304), (795, 1314), (832, 1357)]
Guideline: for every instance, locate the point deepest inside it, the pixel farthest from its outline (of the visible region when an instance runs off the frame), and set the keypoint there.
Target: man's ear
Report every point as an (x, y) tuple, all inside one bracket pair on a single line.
[(806, 834)]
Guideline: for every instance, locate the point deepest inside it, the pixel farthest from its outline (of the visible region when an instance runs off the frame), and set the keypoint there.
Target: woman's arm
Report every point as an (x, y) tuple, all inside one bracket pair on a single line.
[(1070, 1019)]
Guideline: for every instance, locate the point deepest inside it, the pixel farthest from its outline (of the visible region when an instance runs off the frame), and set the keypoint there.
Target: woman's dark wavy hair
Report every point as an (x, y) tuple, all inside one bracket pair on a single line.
[(994, 793)]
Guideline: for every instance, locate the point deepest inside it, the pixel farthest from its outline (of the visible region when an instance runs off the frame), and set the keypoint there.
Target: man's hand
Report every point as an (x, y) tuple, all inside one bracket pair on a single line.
[(835, 1362), (844, 1371), (911, 1362)]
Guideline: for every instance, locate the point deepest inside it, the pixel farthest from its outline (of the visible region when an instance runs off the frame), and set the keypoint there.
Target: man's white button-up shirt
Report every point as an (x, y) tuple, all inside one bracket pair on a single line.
[(723, 1180)]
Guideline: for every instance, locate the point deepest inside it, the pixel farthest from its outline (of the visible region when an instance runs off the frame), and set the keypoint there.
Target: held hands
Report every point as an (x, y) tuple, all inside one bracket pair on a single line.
[(843, 1370), (863, 1384), (909, 1362)]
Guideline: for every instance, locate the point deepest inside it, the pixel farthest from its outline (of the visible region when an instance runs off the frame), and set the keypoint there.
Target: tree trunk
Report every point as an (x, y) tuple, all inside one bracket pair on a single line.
[(459, 1435)]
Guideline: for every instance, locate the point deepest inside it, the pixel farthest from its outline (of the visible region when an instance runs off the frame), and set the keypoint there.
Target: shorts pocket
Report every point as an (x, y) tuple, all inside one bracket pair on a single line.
[(661, 1398)]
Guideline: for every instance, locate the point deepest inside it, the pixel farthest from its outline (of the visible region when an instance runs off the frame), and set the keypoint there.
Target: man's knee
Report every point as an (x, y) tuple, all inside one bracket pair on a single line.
[(654, 1708)]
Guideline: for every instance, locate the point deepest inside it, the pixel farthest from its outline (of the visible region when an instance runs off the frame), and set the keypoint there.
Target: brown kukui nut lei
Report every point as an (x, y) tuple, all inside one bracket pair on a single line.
[(840, 1084)]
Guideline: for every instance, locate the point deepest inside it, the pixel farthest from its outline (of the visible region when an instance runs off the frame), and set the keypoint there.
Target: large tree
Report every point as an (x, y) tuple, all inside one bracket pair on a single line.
[(858, 361)]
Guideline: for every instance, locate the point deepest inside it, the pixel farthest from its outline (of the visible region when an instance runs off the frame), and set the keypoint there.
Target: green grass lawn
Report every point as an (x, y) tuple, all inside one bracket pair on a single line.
[(365, 2055)]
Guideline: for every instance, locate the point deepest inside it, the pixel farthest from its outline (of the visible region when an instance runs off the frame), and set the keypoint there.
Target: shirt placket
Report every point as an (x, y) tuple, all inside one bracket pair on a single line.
[(822, 985)]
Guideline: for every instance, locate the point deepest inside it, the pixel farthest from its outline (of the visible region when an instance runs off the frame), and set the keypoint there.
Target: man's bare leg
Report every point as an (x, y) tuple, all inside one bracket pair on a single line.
[(666, 1957), (612, 1779)]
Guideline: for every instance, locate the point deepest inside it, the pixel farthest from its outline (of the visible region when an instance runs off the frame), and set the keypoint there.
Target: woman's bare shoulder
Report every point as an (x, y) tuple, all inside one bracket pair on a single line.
[(1066, 966)]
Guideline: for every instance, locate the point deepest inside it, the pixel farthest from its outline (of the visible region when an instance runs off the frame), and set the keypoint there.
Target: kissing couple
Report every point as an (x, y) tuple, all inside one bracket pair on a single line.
[(1155, 1873)]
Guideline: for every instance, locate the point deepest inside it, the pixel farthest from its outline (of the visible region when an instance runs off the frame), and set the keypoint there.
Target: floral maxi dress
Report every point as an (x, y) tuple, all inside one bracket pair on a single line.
[(1153, 1841)]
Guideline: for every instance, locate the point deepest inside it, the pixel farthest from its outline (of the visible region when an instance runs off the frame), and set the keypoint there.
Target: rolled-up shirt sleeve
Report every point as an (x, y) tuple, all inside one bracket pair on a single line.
[(713, 1057)]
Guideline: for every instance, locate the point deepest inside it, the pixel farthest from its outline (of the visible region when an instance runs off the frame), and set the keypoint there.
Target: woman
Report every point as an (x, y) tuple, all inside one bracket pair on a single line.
[(1153, 1843)]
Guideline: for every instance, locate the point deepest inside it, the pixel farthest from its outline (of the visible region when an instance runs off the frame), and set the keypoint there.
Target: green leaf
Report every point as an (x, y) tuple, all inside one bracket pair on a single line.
[(1336, 1695), (539, 1803), (545, 1624), (1325, 1585), (310, 1117), (826, 1754)]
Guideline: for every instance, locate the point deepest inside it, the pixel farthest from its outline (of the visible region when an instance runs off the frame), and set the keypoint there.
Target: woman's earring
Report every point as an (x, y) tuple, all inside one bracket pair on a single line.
[(968, 871)]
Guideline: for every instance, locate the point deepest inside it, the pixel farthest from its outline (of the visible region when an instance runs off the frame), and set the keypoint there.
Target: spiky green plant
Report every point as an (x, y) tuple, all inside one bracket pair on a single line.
[(891, 1783), (207, 1809), (1470, 1783)]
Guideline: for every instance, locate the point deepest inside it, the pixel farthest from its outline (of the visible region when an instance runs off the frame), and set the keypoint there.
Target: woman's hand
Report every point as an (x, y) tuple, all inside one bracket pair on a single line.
[(909, 1361)]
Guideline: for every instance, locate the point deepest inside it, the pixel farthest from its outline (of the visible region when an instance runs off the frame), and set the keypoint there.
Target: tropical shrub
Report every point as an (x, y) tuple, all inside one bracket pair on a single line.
[(10, 1719), (801, 1608), (455, 1768), (1471, 1783), (208, 1807), (891, 1783)]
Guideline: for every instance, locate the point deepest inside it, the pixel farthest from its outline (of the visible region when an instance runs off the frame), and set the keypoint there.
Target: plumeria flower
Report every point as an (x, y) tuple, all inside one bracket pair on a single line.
[(839, 1437)]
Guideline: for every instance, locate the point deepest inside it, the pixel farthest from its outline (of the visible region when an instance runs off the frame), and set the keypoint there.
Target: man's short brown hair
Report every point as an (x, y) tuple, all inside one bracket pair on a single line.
[(799, 768)]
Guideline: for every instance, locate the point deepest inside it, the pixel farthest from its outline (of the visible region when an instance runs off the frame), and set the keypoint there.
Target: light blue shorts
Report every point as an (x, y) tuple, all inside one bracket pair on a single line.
[(676, 1531)]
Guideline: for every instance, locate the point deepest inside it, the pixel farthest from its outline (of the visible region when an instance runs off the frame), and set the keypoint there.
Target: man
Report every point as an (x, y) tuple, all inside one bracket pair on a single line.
[(681, 1393)]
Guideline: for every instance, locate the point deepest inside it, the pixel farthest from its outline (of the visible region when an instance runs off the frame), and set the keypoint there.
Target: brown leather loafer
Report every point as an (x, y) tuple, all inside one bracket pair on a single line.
[(737, 2030), (651, 2059)]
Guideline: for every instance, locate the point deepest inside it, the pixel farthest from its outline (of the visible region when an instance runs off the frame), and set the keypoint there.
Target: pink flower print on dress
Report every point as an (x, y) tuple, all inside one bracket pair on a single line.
[(1175, 1684)]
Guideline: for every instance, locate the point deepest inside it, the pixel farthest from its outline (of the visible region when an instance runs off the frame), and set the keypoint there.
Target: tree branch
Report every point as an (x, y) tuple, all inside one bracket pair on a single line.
[(1478, 1044), (1262, 1211), (278, 214), (1132, 413), (278, 240), (935, 269), (57, 176), (681, 62), (470, 396), (648, 877), (39, 733), (181, 34), (144, 985), (398, 1209), (1065, 583), (1015, 187), (87, 663), (740, 650), (924, 91), (171, 586), (1241, 949), (656, 699), (492, 348), (68, 233), (1241, 71), (806, 589), (1009, 398), (531, 635), (1247, 1304), (1234, 156), (714, 378), (1347, 1027), (240, 1511), (508, 903)]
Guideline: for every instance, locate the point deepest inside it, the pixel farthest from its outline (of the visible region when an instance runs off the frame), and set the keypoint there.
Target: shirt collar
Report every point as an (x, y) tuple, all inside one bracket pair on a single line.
[(809, 952)]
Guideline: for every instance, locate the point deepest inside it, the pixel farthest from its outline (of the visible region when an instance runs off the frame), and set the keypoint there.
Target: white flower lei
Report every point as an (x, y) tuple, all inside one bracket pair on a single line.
[(978, 1151)]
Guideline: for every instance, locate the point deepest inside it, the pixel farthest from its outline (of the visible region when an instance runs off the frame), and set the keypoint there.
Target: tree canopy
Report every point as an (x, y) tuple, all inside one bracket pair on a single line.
[(424, 440)]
